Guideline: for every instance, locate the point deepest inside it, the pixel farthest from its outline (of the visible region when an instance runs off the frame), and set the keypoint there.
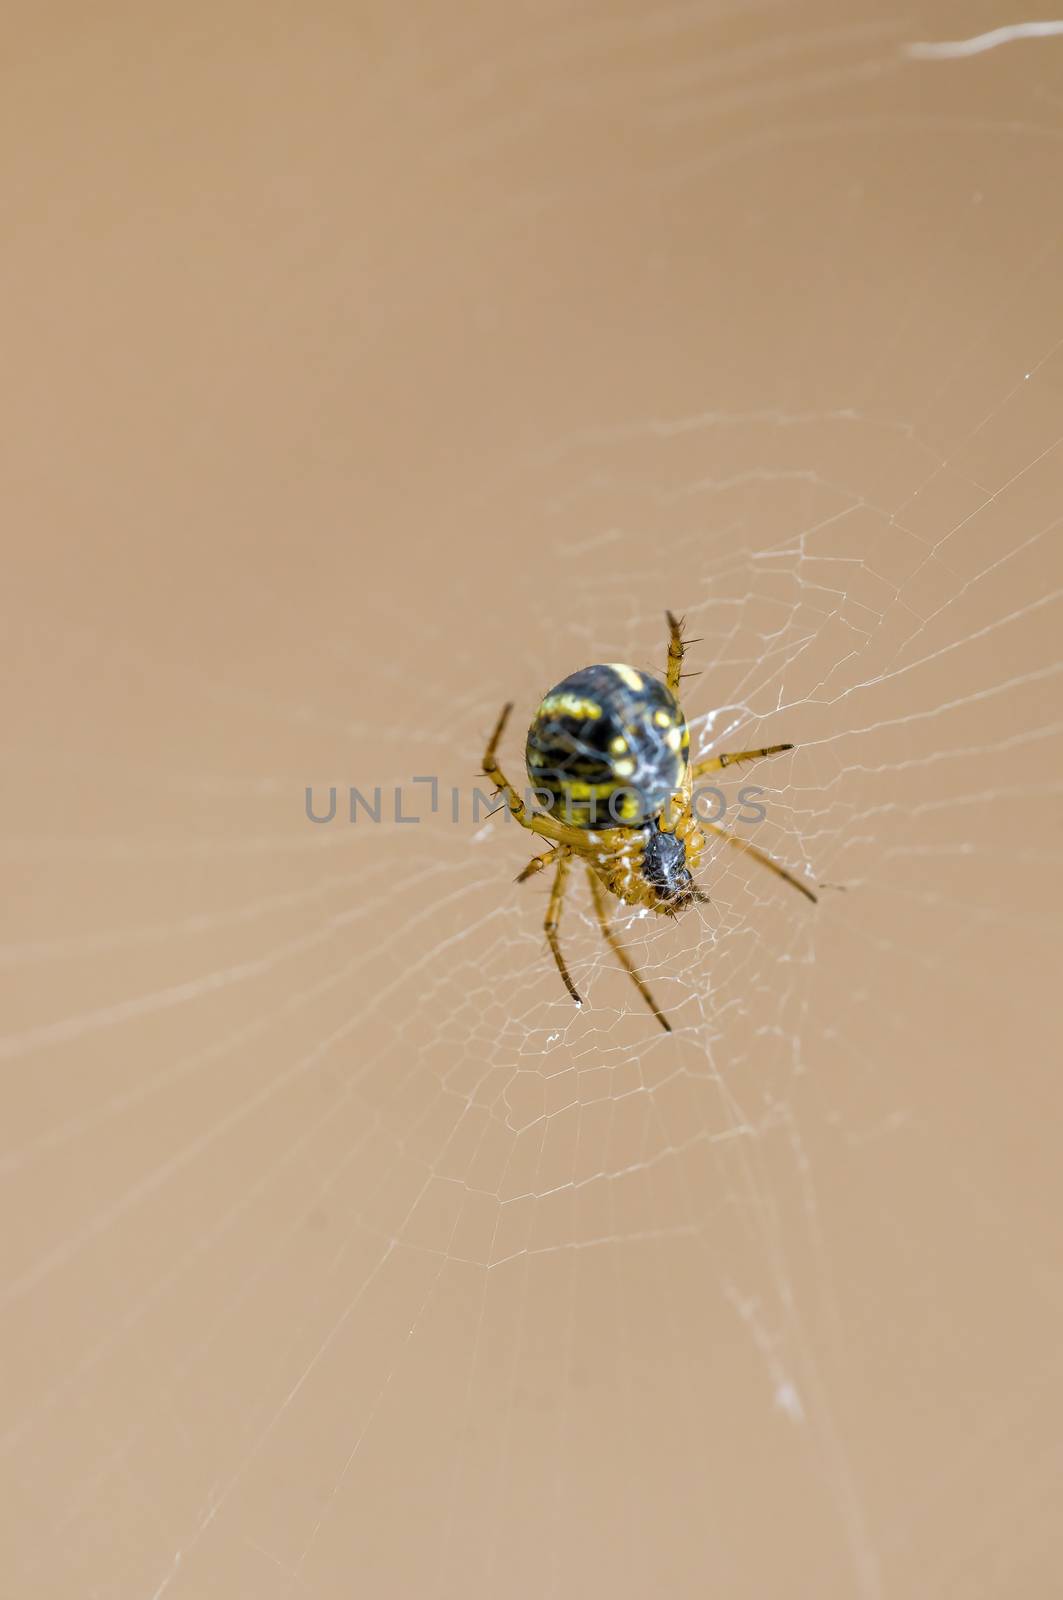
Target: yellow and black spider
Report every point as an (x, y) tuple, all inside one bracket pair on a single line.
[(610, 744)]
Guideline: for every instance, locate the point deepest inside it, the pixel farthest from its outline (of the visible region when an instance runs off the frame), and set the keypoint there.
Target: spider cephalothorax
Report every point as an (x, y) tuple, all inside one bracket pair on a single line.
[(607, 755), (665, 869)]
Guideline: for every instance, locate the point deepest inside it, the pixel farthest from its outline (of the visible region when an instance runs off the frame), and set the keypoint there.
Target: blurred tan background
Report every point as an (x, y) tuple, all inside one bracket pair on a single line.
[(368, 366)]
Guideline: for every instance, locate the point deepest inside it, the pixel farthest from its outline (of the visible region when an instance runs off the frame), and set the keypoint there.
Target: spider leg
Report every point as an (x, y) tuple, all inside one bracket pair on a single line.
[(536, 864), (675, 652), (717, 763), (553, 917), (546, 826), (760, 855), (598, 896)]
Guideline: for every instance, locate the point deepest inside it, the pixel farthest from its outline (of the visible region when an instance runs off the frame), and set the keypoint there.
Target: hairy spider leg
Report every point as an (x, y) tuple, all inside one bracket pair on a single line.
[(717, 763), (731, 759), (675, 652), (761, 856), (536, 864), (548, 827), (553, 917), (567, 837), (598, 896)]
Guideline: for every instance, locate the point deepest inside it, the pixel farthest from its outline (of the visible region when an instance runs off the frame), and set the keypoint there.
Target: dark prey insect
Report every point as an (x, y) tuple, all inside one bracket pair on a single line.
[(607, 755)]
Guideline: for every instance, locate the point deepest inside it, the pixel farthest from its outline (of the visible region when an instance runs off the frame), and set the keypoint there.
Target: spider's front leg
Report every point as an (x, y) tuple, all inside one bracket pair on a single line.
[(675, 652), (677, 645), (548, 827), (717, 763), (565, 840)]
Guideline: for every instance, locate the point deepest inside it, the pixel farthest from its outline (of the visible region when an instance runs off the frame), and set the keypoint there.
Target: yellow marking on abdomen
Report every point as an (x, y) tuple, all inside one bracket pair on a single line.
[(571, 705), (626, 674), (585, 791)]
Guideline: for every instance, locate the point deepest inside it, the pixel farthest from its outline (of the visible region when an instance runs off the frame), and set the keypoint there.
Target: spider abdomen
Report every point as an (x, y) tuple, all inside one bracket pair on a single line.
[(607, 747)]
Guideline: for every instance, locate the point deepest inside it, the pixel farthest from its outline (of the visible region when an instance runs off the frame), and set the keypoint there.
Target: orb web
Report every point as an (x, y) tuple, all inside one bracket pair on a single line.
[(361, 1254)]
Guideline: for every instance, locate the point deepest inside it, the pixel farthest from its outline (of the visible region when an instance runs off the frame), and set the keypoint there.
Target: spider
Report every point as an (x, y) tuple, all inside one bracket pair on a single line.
[(611, 736)]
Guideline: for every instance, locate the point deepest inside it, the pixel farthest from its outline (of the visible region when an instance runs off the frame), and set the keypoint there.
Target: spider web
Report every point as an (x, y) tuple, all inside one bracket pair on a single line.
[(346, 1253)]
